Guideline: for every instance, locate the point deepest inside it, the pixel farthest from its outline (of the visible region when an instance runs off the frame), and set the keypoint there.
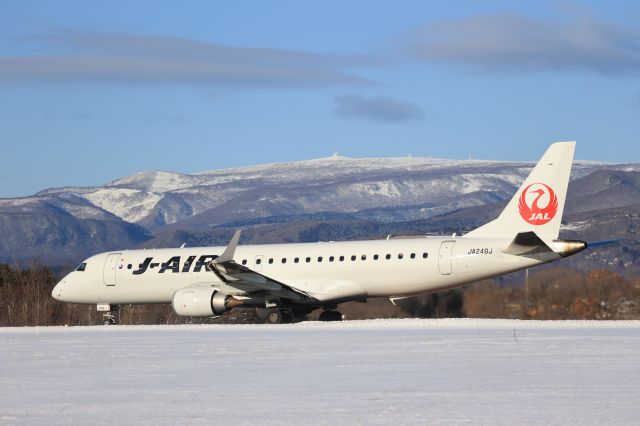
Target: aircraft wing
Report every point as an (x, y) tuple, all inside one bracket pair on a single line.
[(241, 277), (244, 278)]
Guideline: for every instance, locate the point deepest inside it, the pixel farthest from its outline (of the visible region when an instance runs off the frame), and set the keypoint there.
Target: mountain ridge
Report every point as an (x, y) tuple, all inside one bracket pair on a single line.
[(373, 196)]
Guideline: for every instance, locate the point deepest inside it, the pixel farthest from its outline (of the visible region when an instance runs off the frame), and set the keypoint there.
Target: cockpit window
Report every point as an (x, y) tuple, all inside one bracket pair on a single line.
[(81, 267)]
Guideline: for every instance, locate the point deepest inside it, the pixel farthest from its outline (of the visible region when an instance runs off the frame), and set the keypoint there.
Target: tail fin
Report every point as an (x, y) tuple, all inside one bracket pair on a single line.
[(538, 204)]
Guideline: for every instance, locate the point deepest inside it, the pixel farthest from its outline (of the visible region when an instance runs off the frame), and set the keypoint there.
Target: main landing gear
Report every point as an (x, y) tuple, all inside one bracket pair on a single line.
[(278, 316), (287, 315), (274, 315), (109, 315), (330, 316)]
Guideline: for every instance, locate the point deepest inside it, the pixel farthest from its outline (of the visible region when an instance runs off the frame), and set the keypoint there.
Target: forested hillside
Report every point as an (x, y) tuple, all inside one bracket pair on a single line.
[(557, 293)]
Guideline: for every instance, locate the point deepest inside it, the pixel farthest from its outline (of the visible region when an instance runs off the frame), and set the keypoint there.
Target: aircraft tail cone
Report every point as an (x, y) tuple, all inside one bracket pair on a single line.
[(567, 248)]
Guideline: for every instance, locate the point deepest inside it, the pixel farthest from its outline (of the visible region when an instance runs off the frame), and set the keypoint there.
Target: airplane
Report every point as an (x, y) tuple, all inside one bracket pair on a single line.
[(285, 282)]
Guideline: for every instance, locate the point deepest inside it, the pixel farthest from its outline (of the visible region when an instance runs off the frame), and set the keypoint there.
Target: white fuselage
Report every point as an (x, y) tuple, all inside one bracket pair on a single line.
[(325, 274), (328, 271)]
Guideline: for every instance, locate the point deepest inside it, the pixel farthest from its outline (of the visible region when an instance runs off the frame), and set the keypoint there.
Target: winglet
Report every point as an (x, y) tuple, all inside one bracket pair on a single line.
[(227, 256)]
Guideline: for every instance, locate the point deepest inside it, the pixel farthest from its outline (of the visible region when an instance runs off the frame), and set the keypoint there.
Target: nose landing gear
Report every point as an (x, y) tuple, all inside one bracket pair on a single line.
[(109, 317)]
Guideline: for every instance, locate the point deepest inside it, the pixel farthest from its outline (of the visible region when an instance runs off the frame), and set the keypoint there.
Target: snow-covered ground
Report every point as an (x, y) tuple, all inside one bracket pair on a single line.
[(357, 372)]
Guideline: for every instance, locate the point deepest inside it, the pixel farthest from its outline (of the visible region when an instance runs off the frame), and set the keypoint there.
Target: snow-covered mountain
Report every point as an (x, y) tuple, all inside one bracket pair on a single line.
[(157, 198), (382, 190)]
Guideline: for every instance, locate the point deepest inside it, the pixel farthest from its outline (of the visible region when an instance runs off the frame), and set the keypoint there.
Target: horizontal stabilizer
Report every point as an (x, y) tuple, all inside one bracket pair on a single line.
[(595, 244), (527, 243)]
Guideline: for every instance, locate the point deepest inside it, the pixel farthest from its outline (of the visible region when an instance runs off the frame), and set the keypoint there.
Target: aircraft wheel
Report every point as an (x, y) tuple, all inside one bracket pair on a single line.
[(263, 313), (330, 316), (287, 318), (277, 316)]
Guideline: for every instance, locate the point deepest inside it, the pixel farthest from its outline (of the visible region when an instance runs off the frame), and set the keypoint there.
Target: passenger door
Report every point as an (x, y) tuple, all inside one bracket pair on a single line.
[(110, 269), (444, 257)]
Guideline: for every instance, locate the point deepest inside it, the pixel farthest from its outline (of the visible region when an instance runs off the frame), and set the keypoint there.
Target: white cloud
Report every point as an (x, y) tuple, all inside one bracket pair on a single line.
[(515, 43), (109, 57)]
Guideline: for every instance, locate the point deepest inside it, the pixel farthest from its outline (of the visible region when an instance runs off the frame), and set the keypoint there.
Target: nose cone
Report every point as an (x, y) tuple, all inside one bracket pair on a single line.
[(56, 293)]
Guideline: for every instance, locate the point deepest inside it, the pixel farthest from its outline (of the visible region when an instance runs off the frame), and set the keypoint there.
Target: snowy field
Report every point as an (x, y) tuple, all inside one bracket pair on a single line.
[(358, 372)]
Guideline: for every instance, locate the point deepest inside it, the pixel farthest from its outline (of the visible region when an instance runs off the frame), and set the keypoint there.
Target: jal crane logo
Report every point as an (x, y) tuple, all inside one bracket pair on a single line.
[(538, 204)]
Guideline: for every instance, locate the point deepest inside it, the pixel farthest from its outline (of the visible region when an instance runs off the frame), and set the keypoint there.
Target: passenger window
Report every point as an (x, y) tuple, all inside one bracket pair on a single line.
[(388, 256), (271, 260), (341, 258), (258, 261), (375, 257), (400, 255), (284, 260), (363, 257), (244, 261), (353, 258), (413, 255), (81, 267), (319, 258), (129, 266), (425, 255), (308, 259), (331, 258), (296, 260)]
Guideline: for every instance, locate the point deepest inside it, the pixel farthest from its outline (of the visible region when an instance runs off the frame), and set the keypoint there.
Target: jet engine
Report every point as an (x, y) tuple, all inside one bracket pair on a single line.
[(202, 302)]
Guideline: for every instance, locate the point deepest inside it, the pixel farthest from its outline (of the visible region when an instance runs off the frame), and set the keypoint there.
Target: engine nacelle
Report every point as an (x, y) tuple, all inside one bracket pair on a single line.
[(202, 302)]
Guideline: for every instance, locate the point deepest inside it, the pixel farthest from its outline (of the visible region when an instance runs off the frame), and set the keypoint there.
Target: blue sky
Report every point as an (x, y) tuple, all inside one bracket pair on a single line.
[(93, 91)]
